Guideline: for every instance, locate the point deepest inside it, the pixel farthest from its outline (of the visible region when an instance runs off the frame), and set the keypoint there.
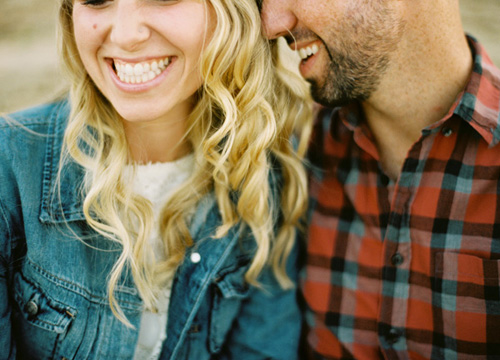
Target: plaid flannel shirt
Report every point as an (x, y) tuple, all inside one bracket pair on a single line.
[(408, 269)]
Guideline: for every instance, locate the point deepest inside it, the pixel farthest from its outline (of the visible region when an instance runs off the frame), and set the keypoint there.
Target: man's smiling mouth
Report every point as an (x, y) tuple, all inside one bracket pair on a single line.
[(308, 51)]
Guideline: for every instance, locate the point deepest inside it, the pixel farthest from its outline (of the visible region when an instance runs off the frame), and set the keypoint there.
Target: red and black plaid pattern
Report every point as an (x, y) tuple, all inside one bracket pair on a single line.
[(408, 269)]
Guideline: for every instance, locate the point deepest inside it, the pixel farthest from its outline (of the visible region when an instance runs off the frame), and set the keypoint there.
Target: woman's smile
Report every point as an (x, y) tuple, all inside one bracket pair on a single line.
[(144, 55), (136, 77), (140, 72)]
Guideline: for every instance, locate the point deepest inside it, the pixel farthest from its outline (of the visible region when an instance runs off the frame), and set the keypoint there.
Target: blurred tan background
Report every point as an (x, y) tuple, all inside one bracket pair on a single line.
[(29, 71)]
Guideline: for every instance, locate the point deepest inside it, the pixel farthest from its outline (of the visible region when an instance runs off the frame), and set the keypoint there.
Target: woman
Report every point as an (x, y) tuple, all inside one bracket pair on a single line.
[(152, 215)]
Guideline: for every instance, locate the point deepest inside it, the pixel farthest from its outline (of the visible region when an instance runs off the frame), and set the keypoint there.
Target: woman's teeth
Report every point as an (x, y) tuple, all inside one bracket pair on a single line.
[(138, 73), (308, 51)]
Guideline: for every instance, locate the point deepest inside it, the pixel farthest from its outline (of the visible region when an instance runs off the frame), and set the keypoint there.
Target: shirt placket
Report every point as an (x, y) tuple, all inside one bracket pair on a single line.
[(397, 256)]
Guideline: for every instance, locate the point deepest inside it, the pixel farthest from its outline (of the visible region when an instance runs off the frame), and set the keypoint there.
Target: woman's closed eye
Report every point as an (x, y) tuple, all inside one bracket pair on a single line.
[(167, 1), (95, 3), (99, 3)]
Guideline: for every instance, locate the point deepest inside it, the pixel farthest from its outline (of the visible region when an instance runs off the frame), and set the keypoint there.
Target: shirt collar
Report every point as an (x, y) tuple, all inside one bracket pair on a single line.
[(479, 104)]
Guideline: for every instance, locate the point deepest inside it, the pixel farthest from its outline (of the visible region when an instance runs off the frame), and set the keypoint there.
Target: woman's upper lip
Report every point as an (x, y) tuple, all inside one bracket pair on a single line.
[(138, 59)]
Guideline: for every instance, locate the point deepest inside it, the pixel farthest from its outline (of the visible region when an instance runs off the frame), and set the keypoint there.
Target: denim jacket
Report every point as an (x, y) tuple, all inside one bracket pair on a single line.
[(53, 294)]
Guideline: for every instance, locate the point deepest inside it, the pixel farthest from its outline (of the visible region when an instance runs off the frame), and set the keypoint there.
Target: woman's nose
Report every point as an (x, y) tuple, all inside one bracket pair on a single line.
[(129, 28), (278, 18)]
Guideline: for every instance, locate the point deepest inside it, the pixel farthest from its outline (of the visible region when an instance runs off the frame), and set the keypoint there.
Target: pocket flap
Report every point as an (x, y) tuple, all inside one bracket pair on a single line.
[(231, 282), (40, 309), (465, 267), (230, 291)]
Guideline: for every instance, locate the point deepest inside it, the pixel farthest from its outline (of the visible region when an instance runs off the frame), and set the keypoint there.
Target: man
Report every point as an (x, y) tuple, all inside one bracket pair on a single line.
[(404, 237)]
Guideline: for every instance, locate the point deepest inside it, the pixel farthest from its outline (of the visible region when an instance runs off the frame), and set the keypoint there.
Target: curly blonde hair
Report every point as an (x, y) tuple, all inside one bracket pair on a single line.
[(249, 109)]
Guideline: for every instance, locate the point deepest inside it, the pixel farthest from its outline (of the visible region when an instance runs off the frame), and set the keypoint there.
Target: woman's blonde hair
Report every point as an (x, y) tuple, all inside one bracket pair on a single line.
[(248, 111)]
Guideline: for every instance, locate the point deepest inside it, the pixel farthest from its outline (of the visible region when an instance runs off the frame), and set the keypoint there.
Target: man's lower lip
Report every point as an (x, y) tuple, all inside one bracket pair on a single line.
[(305, 66)]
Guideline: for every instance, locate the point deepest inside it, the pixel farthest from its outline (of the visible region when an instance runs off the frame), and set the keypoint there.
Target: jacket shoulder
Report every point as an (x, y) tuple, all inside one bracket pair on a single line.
[(27, 132), (27, 138), (36, 118)]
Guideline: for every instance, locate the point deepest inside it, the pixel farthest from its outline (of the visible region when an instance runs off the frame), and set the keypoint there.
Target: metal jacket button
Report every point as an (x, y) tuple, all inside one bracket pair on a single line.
[(195, 258), (195, 328), (32, 308)]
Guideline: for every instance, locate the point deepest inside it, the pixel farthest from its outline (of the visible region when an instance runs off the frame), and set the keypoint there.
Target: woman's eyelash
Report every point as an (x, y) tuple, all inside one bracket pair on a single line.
[(102, 2), (94, 2)]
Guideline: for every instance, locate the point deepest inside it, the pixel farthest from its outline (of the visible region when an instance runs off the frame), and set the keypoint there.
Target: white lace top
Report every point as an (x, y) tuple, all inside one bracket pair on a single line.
[(156, 182)]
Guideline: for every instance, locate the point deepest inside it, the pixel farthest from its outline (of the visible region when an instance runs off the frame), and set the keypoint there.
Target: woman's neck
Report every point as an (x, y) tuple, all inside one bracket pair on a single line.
[(157, 141)]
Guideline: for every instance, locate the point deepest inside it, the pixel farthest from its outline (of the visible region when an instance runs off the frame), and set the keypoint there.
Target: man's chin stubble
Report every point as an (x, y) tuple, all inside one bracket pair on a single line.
[(332, 97)]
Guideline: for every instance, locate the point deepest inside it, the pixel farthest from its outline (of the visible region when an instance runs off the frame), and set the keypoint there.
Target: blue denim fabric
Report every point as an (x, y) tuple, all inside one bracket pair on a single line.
[(53, 299)]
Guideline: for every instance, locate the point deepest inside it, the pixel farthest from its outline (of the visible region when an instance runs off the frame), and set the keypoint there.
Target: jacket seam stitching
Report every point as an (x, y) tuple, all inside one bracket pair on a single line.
[(76, 288), (9, 232), (21, 125)]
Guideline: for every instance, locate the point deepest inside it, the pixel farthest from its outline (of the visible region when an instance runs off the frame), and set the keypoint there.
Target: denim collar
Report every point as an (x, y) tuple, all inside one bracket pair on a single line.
[(60, 203), (64, 203)]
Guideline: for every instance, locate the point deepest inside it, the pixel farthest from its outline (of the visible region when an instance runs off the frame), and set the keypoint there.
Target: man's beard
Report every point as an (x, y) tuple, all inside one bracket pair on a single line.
[(349, 77), (357, 63)]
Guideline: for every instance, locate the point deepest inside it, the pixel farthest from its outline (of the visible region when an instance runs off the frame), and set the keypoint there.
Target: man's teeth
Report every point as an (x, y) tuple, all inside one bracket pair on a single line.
[(308, 51), (140, 72)]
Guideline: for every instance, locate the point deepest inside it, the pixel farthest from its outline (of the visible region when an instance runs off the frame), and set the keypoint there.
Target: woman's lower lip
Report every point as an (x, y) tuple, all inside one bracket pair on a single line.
[(141, 87)]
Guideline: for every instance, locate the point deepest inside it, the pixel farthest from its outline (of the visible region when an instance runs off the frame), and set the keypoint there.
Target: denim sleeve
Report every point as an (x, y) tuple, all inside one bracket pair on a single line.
[(7, 348), (269, 323)]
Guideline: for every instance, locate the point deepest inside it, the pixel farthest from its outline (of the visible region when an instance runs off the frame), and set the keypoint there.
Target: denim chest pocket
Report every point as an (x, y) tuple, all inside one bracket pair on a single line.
[(230, 290), (39, 321)]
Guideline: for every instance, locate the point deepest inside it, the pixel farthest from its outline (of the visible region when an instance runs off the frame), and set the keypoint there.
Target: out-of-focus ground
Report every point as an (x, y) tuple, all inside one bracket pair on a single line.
[(29, 71)]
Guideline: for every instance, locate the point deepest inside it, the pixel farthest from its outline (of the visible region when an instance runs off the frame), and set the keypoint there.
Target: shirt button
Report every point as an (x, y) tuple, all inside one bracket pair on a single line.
[(393, 336), (195, 258), (384, 180), (31, 308), (397, 259), (446, 131)]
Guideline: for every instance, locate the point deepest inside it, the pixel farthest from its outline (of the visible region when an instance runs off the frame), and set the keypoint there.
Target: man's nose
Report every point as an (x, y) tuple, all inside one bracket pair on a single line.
[(278, 18)]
